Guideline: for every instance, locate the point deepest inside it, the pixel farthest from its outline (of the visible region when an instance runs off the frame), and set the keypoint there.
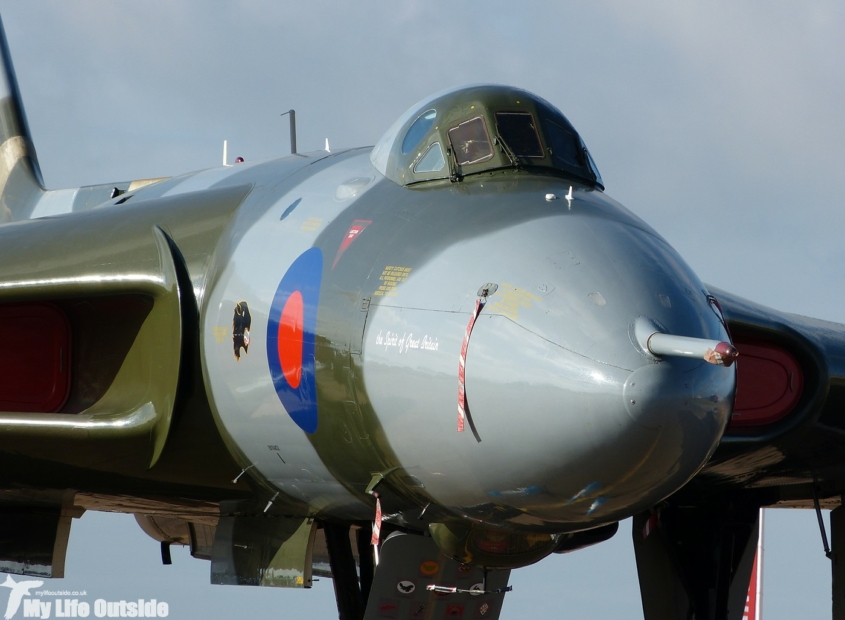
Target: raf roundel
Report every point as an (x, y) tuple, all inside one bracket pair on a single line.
[(291, 341)]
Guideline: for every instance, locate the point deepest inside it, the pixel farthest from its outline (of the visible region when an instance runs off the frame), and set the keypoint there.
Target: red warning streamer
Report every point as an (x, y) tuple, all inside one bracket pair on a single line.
[(463, 407), (377, 523), (650, 524)]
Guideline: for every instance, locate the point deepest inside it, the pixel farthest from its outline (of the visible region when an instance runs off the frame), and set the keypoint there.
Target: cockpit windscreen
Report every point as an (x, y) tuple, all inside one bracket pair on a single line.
[(565, 144), (471, 142), (519, 132)]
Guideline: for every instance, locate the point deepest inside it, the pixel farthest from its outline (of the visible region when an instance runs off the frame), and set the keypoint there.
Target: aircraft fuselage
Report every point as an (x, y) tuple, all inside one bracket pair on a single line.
[(577, 425)]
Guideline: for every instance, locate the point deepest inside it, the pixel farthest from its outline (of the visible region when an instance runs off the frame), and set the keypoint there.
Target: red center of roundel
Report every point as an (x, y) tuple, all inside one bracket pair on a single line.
[(290, 339)]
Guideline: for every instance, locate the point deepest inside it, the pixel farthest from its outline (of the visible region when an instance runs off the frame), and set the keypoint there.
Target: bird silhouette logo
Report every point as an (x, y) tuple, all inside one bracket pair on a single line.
[(18, 590)]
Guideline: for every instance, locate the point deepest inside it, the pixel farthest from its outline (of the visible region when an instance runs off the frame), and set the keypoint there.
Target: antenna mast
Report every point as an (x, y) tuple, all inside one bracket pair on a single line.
[(292, 115)]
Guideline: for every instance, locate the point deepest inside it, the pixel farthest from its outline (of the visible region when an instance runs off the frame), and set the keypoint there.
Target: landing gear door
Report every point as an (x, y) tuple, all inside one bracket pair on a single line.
[(409, 565)]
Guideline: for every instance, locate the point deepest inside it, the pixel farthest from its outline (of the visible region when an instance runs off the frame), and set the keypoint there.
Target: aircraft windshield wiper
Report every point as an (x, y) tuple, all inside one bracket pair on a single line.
[(507, 150), (454, 175)]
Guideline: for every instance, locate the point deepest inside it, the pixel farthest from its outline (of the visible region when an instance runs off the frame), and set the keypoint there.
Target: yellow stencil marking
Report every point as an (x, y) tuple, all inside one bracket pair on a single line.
[(390, 279), (221, 334), (510, 298), (312, 224)]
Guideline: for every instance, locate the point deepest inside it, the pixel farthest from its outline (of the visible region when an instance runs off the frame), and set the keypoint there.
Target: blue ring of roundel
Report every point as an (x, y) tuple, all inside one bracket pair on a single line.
[(303, 276)]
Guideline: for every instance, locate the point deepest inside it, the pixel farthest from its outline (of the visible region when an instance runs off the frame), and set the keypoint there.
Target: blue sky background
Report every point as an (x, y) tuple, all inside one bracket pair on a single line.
[(721, 124), (110, 557)]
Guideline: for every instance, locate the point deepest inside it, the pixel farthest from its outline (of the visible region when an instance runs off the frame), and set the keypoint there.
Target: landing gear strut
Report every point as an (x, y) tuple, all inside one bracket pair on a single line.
[(350, 592), (695, 562)]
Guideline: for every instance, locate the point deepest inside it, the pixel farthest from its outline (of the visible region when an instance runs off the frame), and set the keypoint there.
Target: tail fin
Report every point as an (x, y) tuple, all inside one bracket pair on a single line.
[(21, 185)]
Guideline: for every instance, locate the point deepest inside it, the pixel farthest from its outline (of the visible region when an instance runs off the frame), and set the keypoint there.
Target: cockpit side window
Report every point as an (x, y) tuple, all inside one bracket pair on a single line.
[(565, 145), (519, 132), (593, 168), (471, 141), (417, 130), (432, 161)]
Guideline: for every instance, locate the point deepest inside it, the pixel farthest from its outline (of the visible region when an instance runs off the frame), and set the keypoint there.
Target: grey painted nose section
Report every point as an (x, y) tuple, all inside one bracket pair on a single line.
[(577, 423), (593, 441), (700, 394)]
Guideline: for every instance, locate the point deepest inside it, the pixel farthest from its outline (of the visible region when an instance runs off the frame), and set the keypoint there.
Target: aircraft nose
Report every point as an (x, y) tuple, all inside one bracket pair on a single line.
[(617, 362), (578, 418), (633, 311), (651, 372), (597, 439)]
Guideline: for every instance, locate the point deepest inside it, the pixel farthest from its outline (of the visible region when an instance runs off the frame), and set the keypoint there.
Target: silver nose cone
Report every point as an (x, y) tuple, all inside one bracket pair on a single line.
[(578, 422), (556, 366)]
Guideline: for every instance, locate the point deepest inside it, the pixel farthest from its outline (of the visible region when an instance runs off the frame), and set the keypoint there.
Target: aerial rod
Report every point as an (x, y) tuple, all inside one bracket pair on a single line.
[(292, 114)]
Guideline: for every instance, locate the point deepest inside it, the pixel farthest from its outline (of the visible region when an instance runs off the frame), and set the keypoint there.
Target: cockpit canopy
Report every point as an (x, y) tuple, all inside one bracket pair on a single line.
[(476, 129)]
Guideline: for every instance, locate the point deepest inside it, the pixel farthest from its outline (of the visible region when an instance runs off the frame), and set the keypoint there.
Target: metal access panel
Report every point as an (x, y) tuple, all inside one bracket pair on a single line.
[(34, 540), (408, 565), (263, 551)]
